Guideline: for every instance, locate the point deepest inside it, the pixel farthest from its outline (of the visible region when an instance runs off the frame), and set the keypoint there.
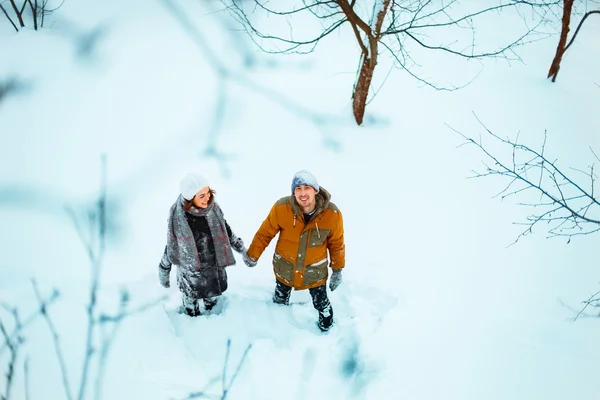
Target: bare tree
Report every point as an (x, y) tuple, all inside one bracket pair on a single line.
[(397, 25), (563, 46), (39, 11), (565, 205)]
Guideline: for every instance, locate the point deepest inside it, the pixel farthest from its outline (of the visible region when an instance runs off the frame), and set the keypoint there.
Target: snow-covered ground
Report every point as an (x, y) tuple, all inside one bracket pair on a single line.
[(434, 303)]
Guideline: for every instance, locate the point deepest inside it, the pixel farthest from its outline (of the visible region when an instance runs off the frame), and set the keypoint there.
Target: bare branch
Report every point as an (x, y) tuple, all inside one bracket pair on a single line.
[(55, 340), (19, 13), (22, 325), (293, 44), (579, 27), (34, 13), (354, 19), (225, 387), (26, 377), (237, 370), (13, 347), (9, 18), (110, 326), (568, 206), (593, 299), (96, 262), (467, 17)]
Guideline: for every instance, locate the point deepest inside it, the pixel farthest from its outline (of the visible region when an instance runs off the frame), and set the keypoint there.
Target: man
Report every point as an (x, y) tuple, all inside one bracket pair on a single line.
[(309, 225)]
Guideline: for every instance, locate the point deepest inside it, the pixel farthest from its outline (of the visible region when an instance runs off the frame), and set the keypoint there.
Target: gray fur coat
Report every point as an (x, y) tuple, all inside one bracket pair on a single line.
[(200, 243)]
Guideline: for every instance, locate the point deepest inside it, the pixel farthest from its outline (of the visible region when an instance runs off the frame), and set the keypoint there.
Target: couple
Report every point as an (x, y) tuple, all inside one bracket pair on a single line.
[(200, 243)]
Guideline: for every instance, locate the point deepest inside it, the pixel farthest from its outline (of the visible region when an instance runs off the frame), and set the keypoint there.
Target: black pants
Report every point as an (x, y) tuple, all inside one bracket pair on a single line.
[(319, 296), (191, 307)]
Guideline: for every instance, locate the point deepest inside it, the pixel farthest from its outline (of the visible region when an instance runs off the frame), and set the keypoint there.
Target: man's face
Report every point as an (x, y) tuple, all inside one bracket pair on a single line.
[(202, 198), (305, 196)]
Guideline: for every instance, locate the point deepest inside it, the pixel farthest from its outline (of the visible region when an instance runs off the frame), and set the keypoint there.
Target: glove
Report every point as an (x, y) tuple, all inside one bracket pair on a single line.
[(249, 261), (335, 280), (164, 276), (237, 244)]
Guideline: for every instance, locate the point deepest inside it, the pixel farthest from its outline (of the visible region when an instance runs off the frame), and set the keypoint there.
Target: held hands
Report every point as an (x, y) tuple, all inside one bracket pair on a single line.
[(164, 276), (249, 261), (335, 280)]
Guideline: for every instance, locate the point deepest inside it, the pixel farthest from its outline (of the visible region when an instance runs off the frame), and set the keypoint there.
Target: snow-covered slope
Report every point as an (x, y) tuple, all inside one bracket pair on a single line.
[(434, 305)]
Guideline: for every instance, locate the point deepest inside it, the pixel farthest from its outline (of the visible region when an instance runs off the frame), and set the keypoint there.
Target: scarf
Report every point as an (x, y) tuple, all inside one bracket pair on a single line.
[(181, 246)]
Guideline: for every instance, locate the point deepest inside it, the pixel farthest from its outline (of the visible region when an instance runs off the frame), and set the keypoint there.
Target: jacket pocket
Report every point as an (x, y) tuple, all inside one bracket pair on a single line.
[(318, 237), (315, 272), (283, 268)]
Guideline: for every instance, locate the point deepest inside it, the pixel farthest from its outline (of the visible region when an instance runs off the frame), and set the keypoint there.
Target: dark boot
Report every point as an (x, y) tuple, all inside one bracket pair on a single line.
[(325, 319), (210, 302), (282, 294), (190, 306), (323, 306)]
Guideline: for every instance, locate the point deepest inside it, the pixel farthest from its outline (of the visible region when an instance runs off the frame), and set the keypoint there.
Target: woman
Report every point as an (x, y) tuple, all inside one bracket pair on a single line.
[(199, 242)]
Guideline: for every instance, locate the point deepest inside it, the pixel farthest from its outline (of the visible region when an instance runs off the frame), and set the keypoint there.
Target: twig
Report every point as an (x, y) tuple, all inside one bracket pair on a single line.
[(235, 374), (589, 301), (44, 305), (96, 262), (56, 341), (225, 387), (579, 27), (569, 204), (224, 374), (111, 332), (34, 14), (12, 361), (26, 377), (19, 14), (9, 18)]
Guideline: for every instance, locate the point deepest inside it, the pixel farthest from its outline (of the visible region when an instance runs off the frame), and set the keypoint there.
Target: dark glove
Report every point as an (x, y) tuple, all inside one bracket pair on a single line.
[(237, 244), (336, 279), (164, 276), (249, 261)]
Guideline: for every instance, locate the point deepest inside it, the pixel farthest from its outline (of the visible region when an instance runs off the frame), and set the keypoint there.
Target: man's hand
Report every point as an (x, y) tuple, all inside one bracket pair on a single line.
[(335, 280), (249, 261)]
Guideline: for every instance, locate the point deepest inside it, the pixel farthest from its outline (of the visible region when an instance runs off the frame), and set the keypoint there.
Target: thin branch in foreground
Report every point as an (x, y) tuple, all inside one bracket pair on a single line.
[(593, 300), (26, 377), (109, 334), (9, 18), (96, 254), (13, 347), (55, 340), (44, 305), (226, 387)]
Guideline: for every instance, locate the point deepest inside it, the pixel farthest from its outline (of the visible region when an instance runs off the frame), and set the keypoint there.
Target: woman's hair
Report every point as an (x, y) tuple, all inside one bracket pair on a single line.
[(189, 204)]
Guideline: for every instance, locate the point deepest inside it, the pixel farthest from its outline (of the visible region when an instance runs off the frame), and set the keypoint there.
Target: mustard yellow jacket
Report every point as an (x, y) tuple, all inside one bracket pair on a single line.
[(300, 258)]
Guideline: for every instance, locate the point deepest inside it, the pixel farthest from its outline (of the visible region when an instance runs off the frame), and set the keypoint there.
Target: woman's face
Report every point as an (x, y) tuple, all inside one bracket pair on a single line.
[(202, 198)]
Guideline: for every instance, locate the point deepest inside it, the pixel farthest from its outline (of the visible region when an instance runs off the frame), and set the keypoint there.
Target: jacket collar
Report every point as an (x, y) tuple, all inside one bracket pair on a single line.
[(322, 198)]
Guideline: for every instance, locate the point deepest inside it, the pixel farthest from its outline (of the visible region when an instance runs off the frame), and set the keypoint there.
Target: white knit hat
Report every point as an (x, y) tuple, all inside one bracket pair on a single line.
[(191, 184), (304, 177)]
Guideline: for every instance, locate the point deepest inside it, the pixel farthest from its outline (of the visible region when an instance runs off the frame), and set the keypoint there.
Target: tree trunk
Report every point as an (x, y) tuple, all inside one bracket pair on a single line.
[(19, 14), (361, 89), (562, 43)]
